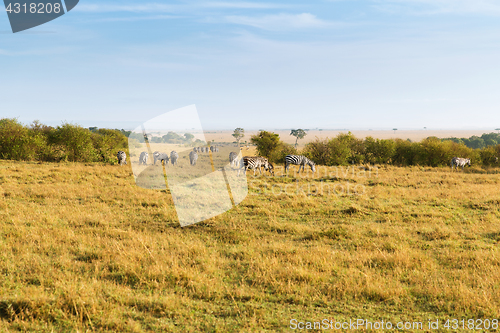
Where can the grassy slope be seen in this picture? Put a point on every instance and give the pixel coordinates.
(81, 247)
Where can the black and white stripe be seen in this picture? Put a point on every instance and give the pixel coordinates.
(143, 158)
(173, 157)
(459, 162)
(299, 160)
(254, 162)
(122, 157)
(193, 157)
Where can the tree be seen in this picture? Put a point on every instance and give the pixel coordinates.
(189, 137)
(394, 129)
(238, 134)
(266, 142)
(299, 134)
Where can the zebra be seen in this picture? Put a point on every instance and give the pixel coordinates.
(122, 157)
(193, 157)
(160, 157)
(143, 158)
(173, 157)
(459, 162)
(155, 156)
(233, 158)
(254, 162)
(299, 160)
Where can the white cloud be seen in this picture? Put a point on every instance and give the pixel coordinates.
(143, 8)
(487, 7)
(281, 21)
(162, 8)
(243, 5)
(137, 18)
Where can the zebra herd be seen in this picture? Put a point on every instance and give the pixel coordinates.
(163, 157)
(213, 149)
(248, 162)
(257, 162)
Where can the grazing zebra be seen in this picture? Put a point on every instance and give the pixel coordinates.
(173, 157)
(155, 156)
(233, 158)
(459, 162)
(122, 157)
(299, 160)
(143, 158)
(160, 157)
(254, 162)
(193, 157)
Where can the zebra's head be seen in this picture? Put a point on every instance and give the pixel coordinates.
(467, 161)
(269, 167)
(313, 166)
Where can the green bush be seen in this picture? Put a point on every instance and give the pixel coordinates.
(269, 145)
(405, 152)
(266, 142)
(341, 150)
(66, 142)
(489, 156)
(318, 151)
(77, 142)
(379, 151)
(283, 149)
(17, 142)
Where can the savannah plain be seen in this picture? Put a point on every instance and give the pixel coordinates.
(83, 249)
(413, 135)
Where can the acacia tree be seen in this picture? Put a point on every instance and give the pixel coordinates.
(238, 134)
(299, 134)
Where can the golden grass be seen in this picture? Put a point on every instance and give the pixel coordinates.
(84, 249)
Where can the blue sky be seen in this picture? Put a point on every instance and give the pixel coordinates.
(258, 64)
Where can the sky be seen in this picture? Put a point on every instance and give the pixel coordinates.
(337, 64)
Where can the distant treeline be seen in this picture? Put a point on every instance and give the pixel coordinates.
(346, 149)
(478, 142)
(170, 137)
(38, 142)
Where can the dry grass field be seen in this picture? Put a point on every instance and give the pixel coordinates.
(83, 249)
